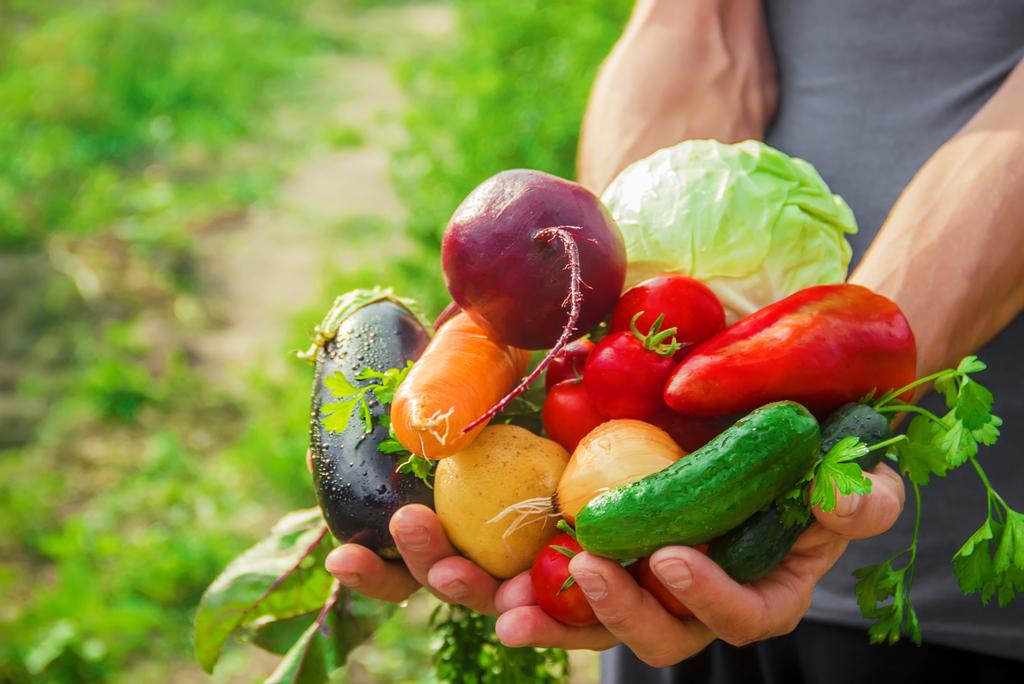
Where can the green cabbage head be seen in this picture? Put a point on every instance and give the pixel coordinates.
(751, 222)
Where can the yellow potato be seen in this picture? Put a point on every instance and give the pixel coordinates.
(504, 465)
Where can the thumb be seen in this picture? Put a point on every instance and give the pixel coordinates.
(859, 516)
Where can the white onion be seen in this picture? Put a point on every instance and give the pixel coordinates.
(613, 454)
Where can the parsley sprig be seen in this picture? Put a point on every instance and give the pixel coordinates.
(836, 472)
(990, 561)
(336, 414)
(351, 399)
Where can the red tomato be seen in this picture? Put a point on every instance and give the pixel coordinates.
(690, 432)
(689, 306)
(568, 363)
(568, 414)
(548, 574)
(626, 373)
(645, 577)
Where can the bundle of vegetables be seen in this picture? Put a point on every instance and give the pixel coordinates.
(663, 425)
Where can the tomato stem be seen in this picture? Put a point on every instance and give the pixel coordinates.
(655, 338)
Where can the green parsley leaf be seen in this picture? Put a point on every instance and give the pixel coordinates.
(918, 456)
(336, 414)
(988, 434)
(388, 381)
(972, 564)
(971, 364)
(956, 442)
(877, 584)
(974, 405)
(421, 467)
(838, 472)
(794, 507)
(1010, 550)
(391, 446)
(948, 388)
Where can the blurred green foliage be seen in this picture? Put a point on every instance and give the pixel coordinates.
(130, 474)
(509, 92)
(118, 110)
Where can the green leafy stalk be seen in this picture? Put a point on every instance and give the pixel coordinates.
(471, 652)
(992, 559)
(836, 472)
(877, 584)
(336, 414)
(351, 399)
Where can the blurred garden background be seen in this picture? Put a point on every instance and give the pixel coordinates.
(184, 187)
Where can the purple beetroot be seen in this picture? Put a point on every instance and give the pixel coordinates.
(534, 259)
(511, 276)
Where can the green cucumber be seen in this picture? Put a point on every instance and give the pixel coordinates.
(859, 420)
(706, 494)
(753, 549)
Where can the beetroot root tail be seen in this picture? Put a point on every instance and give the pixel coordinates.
(573, 300)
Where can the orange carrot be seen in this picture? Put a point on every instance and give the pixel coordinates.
(462, 373)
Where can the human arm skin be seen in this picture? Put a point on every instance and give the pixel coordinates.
(951, 252)
(681, 70)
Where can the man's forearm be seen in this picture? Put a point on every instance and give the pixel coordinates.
(680, 70)
(951, 252)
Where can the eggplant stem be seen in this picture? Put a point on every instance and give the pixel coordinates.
(573, 300)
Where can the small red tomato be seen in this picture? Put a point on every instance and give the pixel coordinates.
(626, 373)
(568, 363)
(549, 572)
(690, 432)
(568, 414)
(689, 306)
(645, 577)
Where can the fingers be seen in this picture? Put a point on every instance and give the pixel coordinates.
(634, 616)
(435, 564)
(514, 593)
(420, 539)
(531, 626)
(861, 516)
(362, 570)
(458, 580)
(737, 614)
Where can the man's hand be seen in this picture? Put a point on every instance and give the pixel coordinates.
(723, 609)
(680, 70)
(430, 561)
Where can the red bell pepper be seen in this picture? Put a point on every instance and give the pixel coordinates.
(823, 347)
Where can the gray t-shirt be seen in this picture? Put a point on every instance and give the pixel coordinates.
(869, 90)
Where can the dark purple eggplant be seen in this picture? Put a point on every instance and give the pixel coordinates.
(357, 486)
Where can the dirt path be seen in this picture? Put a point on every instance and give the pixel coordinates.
(273, 261)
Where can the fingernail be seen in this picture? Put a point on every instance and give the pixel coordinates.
(847, 505)
(414, 537)
(349, 579)
(674, 573)
(455, 590)
(592, 584)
